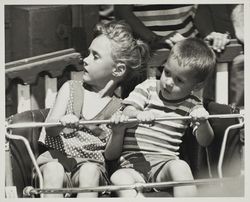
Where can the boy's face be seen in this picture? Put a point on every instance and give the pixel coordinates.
(176, 82)
(98, 65)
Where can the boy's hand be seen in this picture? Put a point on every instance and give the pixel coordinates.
(145, 116)
(70, 121)
(199, 114)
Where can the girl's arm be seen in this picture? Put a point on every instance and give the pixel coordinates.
(58, 110)
(115, 143)
(114, 146)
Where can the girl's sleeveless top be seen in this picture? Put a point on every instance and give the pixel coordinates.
(86, 141)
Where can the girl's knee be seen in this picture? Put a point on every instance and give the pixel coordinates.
(53, 174)
(89, 169)
(53, 168)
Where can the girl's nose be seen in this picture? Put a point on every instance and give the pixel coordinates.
(82, 61)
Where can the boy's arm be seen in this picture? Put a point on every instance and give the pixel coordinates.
(204, 133)
(202, 128)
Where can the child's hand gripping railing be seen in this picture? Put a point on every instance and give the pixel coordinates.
(133, 120)
(28, 191)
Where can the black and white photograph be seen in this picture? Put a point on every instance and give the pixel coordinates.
(126, 99)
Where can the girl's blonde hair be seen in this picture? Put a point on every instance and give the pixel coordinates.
(132, 52)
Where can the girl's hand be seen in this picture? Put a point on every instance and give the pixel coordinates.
(145, 116)
(69, 121)
(199, 114)
(219, 40)
(119, 122)
(118, 118)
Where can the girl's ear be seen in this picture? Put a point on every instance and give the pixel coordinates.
(119, 69)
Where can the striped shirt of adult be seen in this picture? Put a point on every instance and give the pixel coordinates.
(166, 18)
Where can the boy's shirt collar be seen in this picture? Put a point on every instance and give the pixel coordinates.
(173, 101)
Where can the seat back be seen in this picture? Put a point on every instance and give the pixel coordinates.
(20, 159)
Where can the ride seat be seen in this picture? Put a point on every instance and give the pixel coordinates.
(190, 151)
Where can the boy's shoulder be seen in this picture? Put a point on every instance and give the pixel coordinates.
(148, 83)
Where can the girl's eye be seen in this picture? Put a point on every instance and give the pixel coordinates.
(96, 56)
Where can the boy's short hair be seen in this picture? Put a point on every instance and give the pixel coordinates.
(195, 54)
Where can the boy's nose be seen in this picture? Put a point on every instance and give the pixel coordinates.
(169, 83)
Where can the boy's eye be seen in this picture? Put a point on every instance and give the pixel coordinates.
(179, 80)
(167, 73)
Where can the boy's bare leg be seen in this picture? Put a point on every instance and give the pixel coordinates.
(176, 170)
(127, 176)
(53, 175)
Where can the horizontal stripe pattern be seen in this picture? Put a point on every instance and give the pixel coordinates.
(164, 19)
(163, 137)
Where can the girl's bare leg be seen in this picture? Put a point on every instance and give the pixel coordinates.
(53, 176)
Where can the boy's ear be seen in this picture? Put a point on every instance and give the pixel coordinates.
(198, 86)
(119, 69)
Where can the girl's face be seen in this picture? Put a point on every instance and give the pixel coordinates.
(98, 65)
(176, 82)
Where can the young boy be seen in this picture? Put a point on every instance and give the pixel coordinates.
(149, 153)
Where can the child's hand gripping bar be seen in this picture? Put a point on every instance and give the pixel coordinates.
(133, 120)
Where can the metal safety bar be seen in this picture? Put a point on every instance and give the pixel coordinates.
(30, 152)
(134, 120)
(223, 146)
(28, 191)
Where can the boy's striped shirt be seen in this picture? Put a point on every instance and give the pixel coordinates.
(163, 137)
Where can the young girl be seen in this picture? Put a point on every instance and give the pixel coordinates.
(75, 153)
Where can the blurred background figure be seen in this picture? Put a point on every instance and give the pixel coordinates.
(106, 12)
(218, 23)
(159, 25)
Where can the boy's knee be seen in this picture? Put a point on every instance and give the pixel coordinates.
(122, 176)
(179, 164)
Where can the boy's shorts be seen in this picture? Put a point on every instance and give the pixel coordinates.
(148, 165)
